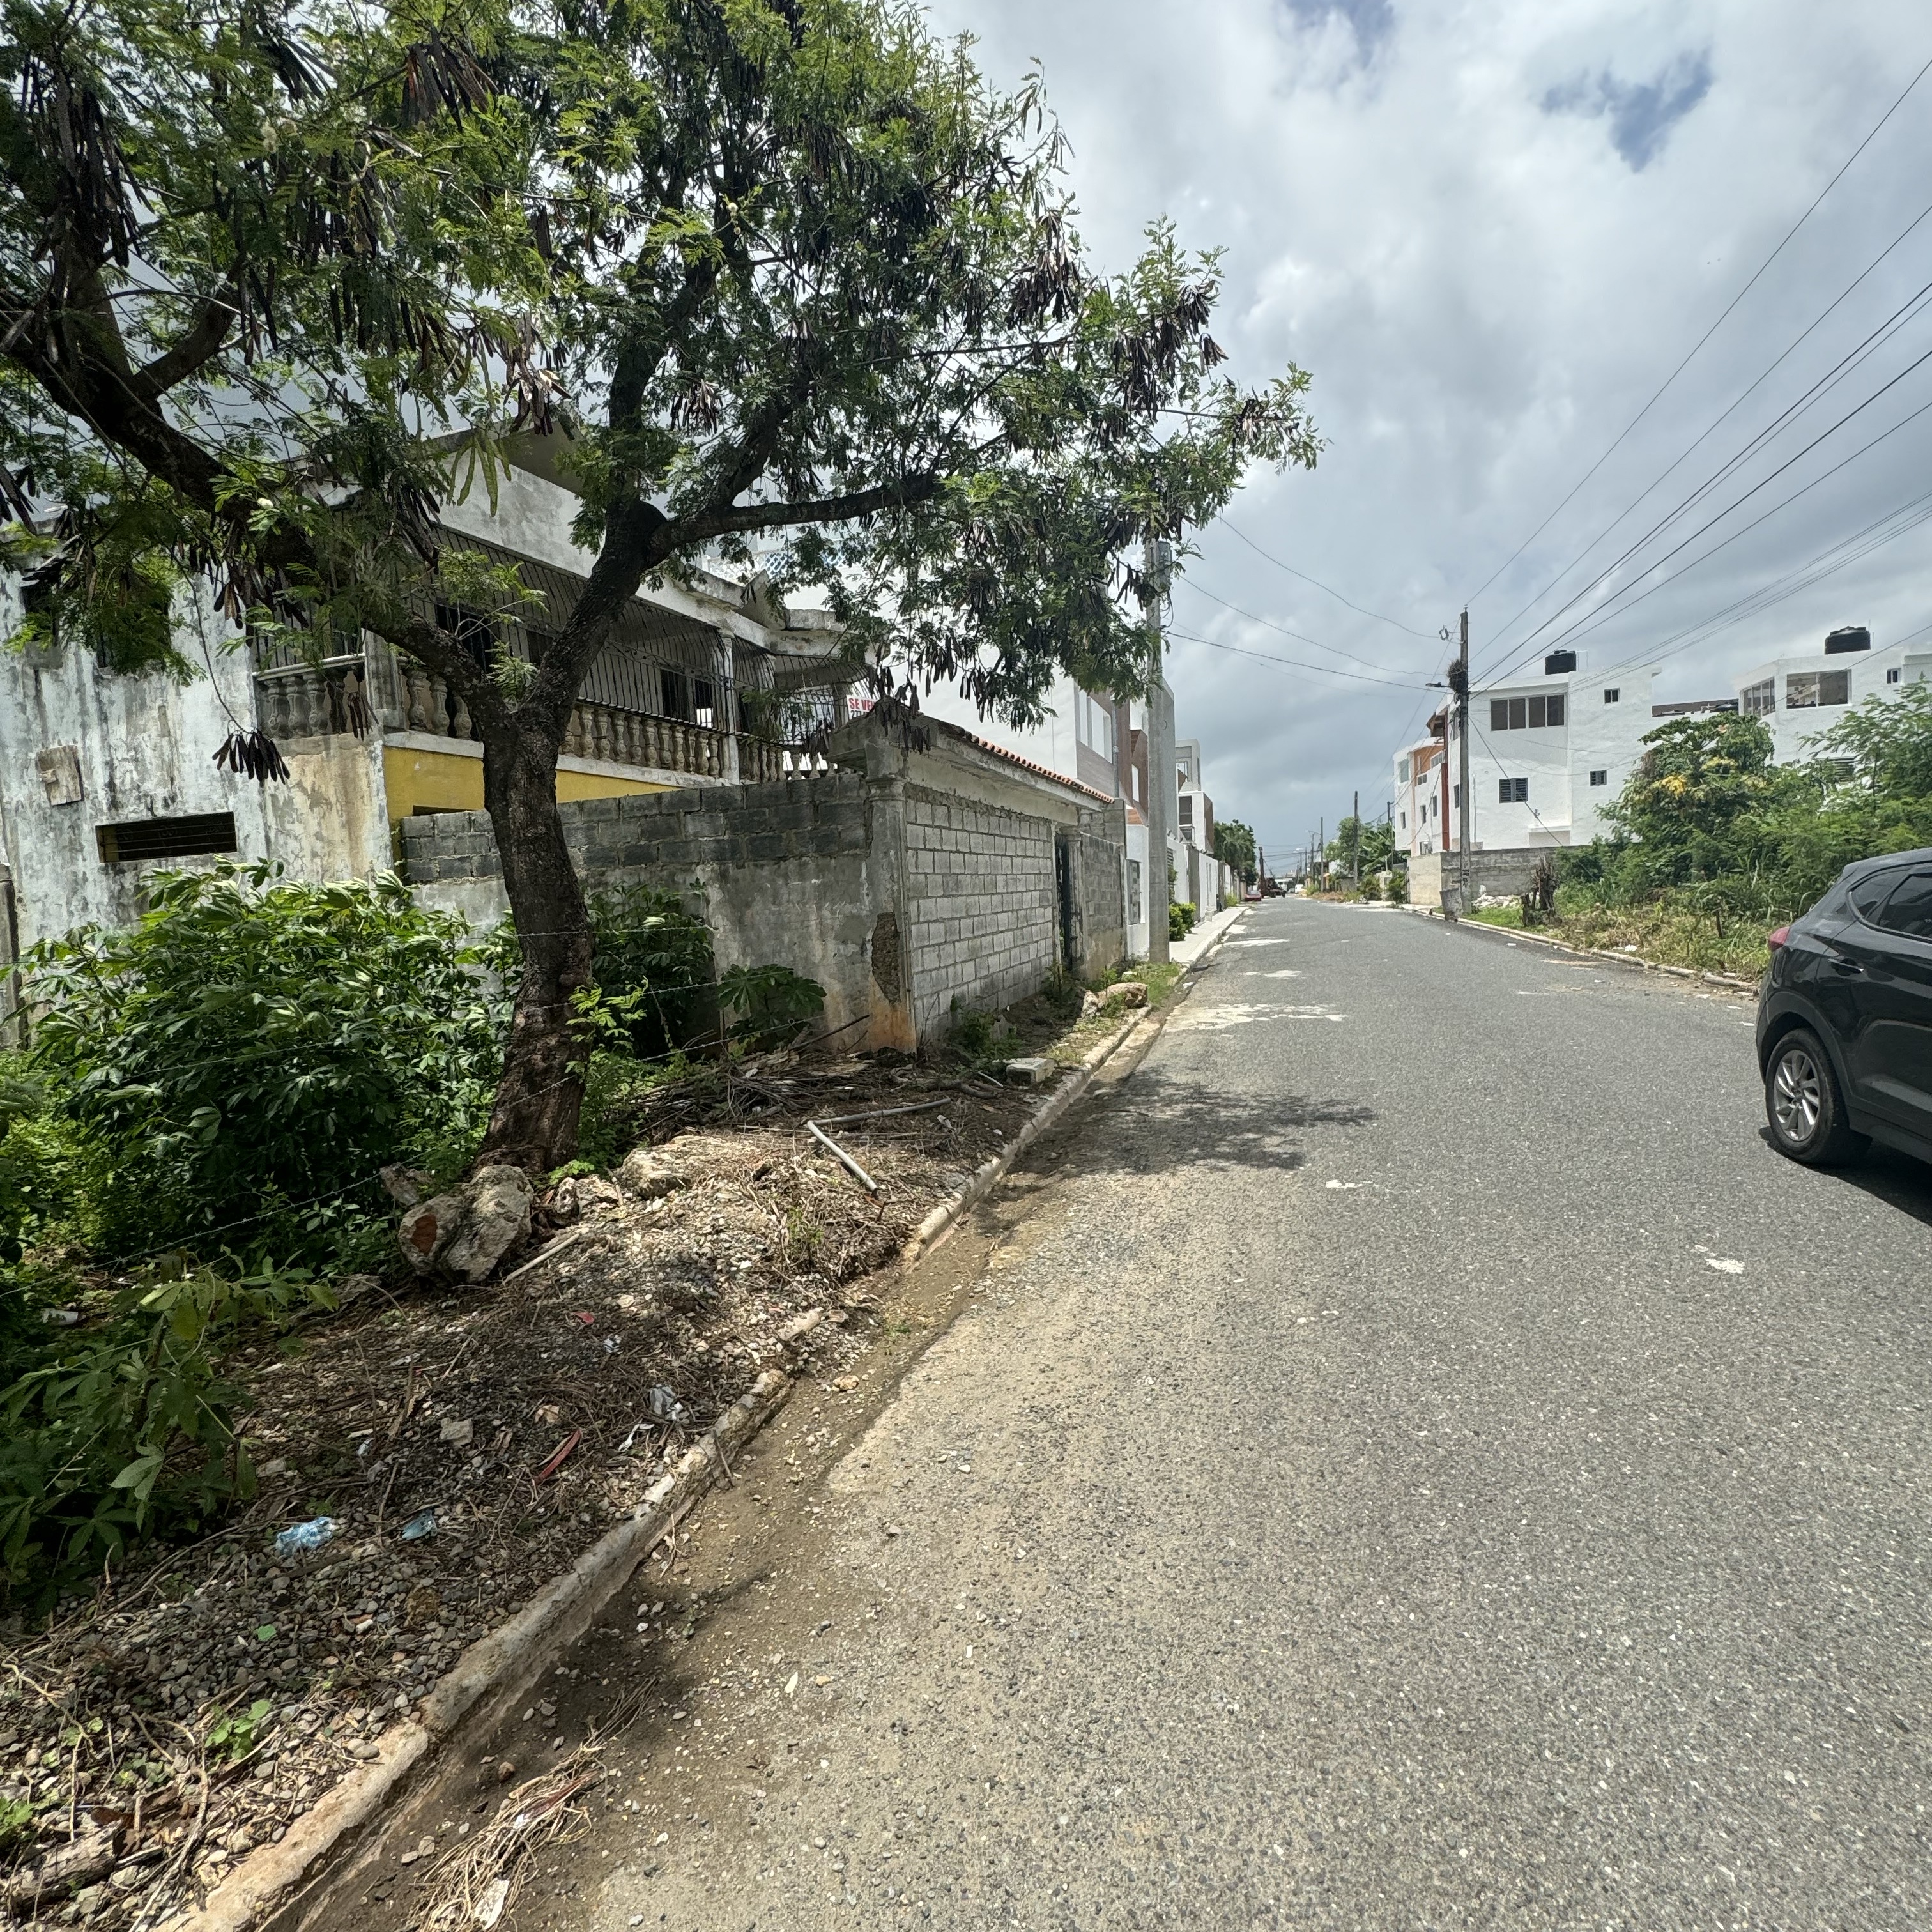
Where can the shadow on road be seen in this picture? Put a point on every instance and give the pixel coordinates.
(1896, 1179)
(1156, 1124)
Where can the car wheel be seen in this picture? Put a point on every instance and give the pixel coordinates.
(1804, 1107)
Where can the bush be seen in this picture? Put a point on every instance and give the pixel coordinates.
(133, 1431)
(240, 1063)
(769, 1005)
(1395, 887)
(1179, 919)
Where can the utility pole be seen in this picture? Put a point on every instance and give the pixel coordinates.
(1355, 853)
(1458, 680)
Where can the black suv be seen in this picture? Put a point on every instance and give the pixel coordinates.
(1844, 1016)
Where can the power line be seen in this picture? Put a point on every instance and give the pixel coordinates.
(1329, 588)
(1604, 612)
(1738, 402)
(1821, 387)
(1790, 234)
(1861, 544)
(1294, 664)
(1268, 624)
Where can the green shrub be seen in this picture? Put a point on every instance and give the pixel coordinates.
(132, 1431)
(654, 984)
(1179, 919)
(242, 1062)
(769, 1005)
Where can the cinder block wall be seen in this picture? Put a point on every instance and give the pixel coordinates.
(1502, 873)
(1101, 881)
(980, 892)
(896, 898)
(784, 873)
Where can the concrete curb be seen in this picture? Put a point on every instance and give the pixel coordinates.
(1636, 959)
(501, 1665)
(989, 1173)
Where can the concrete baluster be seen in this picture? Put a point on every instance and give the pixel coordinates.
(439, 706)
(420, 697)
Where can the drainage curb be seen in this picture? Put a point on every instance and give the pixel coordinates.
(503, 1664)
(1729, 980)
(989, 1173)
(499, 1666)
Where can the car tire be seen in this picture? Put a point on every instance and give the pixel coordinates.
(1804, 1107)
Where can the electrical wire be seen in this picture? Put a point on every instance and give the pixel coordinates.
(1604, 612)
(1790, 234)
(1821, 387)
(1362, 609)
(1294, 664)
(1268, 624)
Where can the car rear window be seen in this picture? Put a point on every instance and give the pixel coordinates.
(1909, 908)
(1868, 895)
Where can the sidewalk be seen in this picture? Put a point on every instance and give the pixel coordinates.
(1185, 951)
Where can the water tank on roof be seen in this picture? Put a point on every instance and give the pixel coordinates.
(1558, 661)
(1848, 637)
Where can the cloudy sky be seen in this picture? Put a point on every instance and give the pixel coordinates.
(1490, 232)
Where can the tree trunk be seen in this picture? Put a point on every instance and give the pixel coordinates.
(534, 1123)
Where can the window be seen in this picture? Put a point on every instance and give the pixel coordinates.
(1869, 894)
(1760, 700)
(676, 692)
(1526, 714)
(1805, 689)
(1456, 797)
(1401, 771)
(1512, 791)
(1404, 816)
(1134, 912)
(187, 837)
(1093, 725)
(1908, 910)
(1599, 778)
(1186, 809)
(1612, 695)
(1892, 676)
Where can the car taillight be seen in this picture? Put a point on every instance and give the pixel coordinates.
(1777, 939)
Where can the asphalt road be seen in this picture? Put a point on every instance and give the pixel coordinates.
(1413, 1457)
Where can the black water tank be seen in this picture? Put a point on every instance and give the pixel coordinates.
(1558, 661)
(1848, 637)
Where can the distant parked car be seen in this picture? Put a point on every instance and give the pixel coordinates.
(1844, 1017)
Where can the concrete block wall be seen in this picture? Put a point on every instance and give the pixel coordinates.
(1100, 881)
(981, 923)
(784, 873)
(1504, 873)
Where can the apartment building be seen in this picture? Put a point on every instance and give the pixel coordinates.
(1801, 696)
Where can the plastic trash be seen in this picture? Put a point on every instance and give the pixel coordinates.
(301, 1537)
(664, 1405)
(422, 1524)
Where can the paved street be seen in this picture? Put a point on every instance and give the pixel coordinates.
(1413, 1457)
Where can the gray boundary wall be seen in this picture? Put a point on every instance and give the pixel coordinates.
(899, 898)
(1501, 873)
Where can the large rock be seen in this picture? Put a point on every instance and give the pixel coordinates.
(646, 1174)
(465, 1233)
(1123, 994)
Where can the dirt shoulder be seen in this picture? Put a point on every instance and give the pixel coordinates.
(466, 1447)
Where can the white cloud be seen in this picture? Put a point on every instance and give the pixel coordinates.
(1490, 233)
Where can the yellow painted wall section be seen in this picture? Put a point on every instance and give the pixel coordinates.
(445, 781)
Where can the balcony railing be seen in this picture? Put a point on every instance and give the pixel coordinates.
(347, 693)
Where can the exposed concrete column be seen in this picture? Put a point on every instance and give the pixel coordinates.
(889, 944)
(724, 714)
(1163, 810)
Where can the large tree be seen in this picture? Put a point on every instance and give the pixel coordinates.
(276, 280)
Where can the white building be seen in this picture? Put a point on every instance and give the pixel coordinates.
(1547, 753)
(1804, 695)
